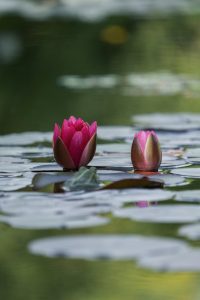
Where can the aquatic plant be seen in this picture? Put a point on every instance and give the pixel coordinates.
(74, 144)
(145, 152)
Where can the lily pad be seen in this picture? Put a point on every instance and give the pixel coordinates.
(26, 152)
(113, 133)
(8, 184)
(114, 148)
(44, 167)
(118, 197)
(43, 179)
(137, 183)
(52, 221)
(186, 261)
(191, 232)
(25, 138)
(109, 161)
(188, 196)
(120, 247)
(160, 254)
(161, 214)
(187, 172)
(169, 122)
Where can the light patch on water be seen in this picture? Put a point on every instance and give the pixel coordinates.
(137, 84)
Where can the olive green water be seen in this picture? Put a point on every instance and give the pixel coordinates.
(32, 99)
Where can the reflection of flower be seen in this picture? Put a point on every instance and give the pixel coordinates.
(145, 153)
(143, 204)
(74, 144)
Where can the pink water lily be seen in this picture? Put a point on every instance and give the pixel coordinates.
(74, 144)
(145, 153)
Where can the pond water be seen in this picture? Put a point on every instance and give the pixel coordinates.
(129, 65)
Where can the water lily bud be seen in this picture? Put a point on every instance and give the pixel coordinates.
(145, 153)
(74, 144)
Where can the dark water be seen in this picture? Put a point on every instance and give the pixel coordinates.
(108, 69)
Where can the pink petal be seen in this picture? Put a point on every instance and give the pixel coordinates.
(93, 128)
(88, 152)
(137, 156)
(142, 138)
(76, 147)
(62, 155)
(142, 204)
(67, 133)
(86, 136)
(56, 133)
(71, 121)
(79, 124)
(154, 134)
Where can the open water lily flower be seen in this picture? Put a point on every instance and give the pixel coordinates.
(74, 144)
(145, 153)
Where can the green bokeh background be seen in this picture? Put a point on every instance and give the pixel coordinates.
(32, 99)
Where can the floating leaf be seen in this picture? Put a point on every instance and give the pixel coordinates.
(161, 214)
(161, 254)
(134, 183)
(41, 180)
(191, 232)
(187, 172)
(84, 179)
(188, 196)
(52, 221)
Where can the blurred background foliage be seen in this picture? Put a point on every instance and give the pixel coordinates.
(34, 54)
